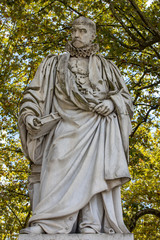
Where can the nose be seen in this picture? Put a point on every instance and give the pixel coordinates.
(77, 34)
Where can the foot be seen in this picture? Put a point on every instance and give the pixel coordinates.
(32, 230)
(88, 230)
(109, 230)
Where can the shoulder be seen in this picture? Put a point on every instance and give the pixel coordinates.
(63, 55)
(105, 60)
(50, 57)
(63, 59)
(108, 63)
(47, 61)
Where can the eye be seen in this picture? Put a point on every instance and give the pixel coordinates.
(83, 30)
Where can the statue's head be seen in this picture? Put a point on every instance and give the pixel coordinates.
(83, 32)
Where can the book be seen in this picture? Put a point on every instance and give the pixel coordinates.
(45, 124)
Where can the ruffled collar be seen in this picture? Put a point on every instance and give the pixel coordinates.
(82, 52)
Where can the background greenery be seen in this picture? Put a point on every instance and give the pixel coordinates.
(128, 34)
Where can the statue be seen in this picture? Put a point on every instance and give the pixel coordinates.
(74, 125)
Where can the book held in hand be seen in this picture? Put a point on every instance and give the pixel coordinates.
(45, 124)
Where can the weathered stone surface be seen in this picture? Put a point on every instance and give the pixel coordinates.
(75, 122)
(117, 236)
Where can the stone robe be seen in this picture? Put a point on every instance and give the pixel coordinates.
(86, 154)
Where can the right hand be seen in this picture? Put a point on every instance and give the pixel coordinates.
(104, 108)
(32, 124)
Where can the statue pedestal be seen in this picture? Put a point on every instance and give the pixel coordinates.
(117, 236)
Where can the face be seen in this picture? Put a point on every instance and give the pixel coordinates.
(82, 35)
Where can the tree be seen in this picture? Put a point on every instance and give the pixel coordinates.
(128, 34)
(141, 195)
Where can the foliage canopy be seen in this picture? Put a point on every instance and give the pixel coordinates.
(128, 34)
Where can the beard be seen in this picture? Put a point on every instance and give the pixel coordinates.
(78, 43)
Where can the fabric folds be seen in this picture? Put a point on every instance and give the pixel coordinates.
(86, 154)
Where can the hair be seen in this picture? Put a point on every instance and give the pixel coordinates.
(85, 21)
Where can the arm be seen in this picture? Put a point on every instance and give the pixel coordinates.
(36, 103)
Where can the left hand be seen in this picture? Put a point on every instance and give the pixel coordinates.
(33, 124)
(104, 108)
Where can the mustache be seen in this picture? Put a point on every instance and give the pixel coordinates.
(74, 40)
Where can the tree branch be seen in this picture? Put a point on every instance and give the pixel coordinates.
(42, 9)
(72, 9)
(125, 45)
(139, 214)
(144, 18)
(123, 13)
(142, 44)
(144, 119)
(18, 171)
(14, 214)
(156, 52)
(148, 86)
(27, 218)
(146, 28)
(122, 23)
(147, 66)
(140, 80)
(137, 96)
(12, 150)
(5, 191)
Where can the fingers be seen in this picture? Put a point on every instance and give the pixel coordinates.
(33, 125)
(36, 121)
(91, 106)
(32, 130)
(98, 107)
(101, 109)
(106, 113)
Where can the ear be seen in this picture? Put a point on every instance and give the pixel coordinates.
(93, 36)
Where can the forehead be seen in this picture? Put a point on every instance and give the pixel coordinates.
(80, 27)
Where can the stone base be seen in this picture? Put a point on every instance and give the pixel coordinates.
(103, 236)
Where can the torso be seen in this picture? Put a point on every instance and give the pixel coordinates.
(79, 66)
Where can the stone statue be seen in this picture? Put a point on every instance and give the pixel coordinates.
(74, 125)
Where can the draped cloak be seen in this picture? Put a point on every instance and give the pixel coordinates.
(86, 153)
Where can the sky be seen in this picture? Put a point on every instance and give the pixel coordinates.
(149, 2)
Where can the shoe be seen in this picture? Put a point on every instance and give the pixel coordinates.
(88, 230)
(109, 230)
(32, 230)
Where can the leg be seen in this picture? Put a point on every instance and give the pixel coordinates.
(61, 225)
(113, 211)
(91, 216)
